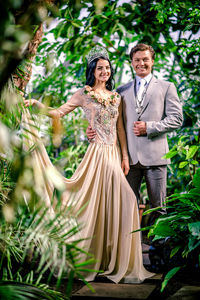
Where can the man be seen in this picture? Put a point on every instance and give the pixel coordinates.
(151, 108)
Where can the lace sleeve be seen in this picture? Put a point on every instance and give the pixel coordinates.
(121, 134)
(75, 101)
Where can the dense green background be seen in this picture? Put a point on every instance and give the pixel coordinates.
(171, 28)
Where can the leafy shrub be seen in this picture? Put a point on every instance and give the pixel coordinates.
(181, 226)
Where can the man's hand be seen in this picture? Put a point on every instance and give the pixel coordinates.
(90, 133)
(125, 166)
(139, 128)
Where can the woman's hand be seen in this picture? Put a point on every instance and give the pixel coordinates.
(125, 166)
(33, 102)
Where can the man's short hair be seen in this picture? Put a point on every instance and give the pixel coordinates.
(142, 47)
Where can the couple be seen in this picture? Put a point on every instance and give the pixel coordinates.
(151, 108)
(105, 201)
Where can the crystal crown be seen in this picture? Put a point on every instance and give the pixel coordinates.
(96, 52)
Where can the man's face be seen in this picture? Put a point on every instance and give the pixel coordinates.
(142, 63)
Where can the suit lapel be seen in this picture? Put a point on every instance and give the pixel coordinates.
(149, 92)
(131, 94)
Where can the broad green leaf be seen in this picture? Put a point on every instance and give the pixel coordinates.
(169, 275)
(142, 229)
(162, 230)
(184, 137)
(70, 31)
(151, 210)
(170, 154)
(122, 28)
(85, 263)
(76, 23)
(186, 200)
(174, 251)
(157, 237)
(183, 164)
(192, 150)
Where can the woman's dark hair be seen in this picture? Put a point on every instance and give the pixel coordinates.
(90, 79)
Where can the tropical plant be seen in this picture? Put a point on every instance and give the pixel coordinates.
(39, 246)
(31, 232)
(185, 155)
(182, 227)
(17, 290)
(6, 185)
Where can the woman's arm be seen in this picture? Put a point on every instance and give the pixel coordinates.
(49, 111)
(123, 144)
(70, 105)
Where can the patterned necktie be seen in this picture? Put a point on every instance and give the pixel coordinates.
(140, 93)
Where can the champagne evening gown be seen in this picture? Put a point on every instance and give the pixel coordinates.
(110, 211)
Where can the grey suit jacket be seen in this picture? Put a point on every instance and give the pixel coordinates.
(162, 112)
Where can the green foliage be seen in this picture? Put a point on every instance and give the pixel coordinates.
(169, 275)
(163, 24)
(21, 291)
(185, 155)
(70, 158)
(184, 208)
(6, 185)
(14, 35)
(37, 243)
(38, 246)
(181, 226)
(117, 27)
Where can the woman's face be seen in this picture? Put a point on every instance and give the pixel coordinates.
(102, 71)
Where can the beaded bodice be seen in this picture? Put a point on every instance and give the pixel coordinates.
(102, 118)
(101, 113)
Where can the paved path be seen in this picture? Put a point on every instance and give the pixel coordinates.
(105, 290)
(148, 290)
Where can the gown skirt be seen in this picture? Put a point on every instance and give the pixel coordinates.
(107, 210)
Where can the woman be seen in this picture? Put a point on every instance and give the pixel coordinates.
(106, 204)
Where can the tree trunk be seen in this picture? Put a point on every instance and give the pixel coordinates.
(26, 18)
(21, 78)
